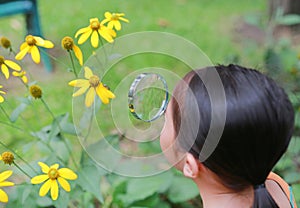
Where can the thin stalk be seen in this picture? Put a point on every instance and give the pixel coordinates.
(55, 59)
(6, 115)
(15, 153)
(60, 129)
(22, 170)
(73, 65)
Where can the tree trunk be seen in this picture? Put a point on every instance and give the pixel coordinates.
(288, 6)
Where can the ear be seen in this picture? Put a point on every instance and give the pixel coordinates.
(191, 166)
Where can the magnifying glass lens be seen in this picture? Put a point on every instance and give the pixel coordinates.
(148, 96)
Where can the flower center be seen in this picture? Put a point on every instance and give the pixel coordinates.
(67, 43)
(5, 42)
(35, 91)
(95, 25)
(53, 174)
(30, 40)
(7, 157)
(94, 81)
(114, 16)
(1, 60)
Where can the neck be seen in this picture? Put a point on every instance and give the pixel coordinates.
(215, 195)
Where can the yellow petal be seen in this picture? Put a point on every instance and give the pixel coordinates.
(55, 166)
(54, 189)
(90, 97)
(22, 53)
(6, 183)
(3, 196)
(124, 19)
(117, 25)
(107, 15)
(78, 54)
(88, 72)
(82, 30)
(39, 179)
(39, 41)
(85, 36)
(100, 93)
(105, 34)
(35, 54)
(4, 175)
(0, 155)
(23, 45)
(80, 91)
(45, 188)
(45, 168)
(67, 174)
(12, 65)
(64, 184)
(48, 44)
(5, 71)
(95, 39)
(1, 99)
(24, 79)
(79, 83)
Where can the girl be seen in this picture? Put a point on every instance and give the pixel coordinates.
(256, 132)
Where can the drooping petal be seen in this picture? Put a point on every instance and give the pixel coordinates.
(95, 39)
(48, 44)
(88, 72)
(45, 188)
(90, 97)
(39, 41)
(5, 70)
(1, 99)
(82, 30)
(6, 183)
(78, 54)
(13, 65)
(55, 166)
(117, 25)
(0, 155)
(79, 83)
(64, 184)
(105, 34)
(100, 93)
(85, 36)
(2, 92)
(45, 168)
(80, 91)
(107, 15)
(3, 196)
(22, 53)
(4, 175)
(23, 45)
(123, 19)
(54, 189)
(39, 179)
(67, 174)
(24, 79)
(35, 54)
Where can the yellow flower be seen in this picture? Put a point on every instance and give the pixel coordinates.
(30, 46)
(52, 176)
(22, 76)
(94, 30)
(35, 91)
(7, 63)
(94, 86)
(5, 43)
(7, 157)
(3, 183)
(113, 20)
(68, 44)
(1, 92)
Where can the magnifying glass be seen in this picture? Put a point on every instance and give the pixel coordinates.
(148, 97)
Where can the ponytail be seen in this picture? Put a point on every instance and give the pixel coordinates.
(262, 198)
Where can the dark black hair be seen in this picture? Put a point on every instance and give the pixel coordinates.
(258, 126)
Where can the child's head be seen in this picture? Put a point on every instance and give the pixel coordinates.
(258, 127)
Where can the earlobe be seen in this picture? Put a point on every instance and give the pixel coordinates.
(190, 167)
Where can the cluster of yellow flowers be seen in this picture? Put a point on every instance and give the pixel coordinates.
(53, 176)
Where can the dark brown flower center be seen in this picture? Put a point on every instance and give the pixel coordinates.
(30, 40)
(1, 60)
(95, 25)
(94, 81)
(53, 174)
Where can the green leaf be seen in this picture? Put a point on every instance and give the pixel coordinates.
(89, 179)
(182, 189)
(16, 113)
(290, 19)
(140, 188)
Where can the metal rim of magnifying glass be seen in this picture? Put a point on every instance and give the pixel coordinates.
(132, 89)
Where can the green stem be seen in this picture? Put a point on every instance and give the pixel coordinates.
(105, 54)
(73, 65)
(6, 115)
(55, 59)
(22, 170)
(60, 129)
(15, 153)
